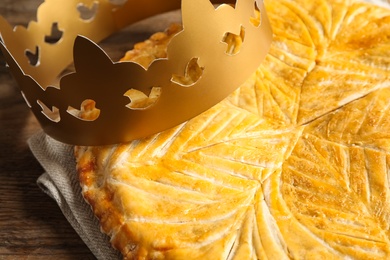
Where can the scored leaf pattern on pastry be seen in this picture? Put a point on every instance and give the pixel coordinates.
(293, 165)
(334, 189)
(324, 55)
(188, 190)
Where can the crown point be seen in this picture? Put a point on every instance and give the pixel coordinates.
(204, 7)
(87, 54)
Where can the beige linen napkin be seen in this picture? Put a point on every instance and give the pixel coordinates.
(60, 181)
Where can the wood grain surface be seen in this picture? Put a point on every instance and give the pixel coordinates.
(31, 224)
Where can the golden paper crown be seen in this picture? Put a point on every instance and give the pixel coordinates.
(201, 45)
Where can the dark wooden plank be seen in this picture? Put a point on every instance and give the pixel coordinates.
(19, 11)
(31, 224)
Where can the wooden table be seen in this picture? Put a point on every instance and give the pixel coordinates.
(32, 226)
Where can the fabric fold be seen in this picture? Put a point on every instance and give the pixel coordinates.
(60, 182)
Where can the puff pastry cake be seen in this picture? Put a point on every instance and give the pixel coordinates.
(293, 165)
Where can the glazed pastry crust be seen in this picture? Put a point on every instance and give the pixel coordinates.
(181, 192)
(293, 165)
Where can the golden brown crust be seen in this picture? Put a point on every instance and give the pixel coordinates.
(153, 48)
(294, 164)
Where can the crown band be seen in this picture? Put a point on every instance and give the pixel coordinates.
(105, 82)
